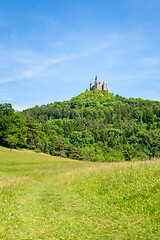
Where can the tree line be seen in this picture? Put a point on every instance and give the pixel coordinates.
(93, 126)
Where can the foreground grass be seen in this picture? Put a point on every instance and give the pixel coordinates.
(44, 197)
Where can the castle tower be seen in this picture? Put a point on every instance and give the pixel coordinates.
(99, 86)
(91, 86)
(104, 87)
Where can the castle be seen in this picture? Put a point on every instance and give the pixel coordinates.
(98, 85)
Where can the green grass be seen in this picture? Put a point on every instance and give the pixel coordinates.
(44, 197)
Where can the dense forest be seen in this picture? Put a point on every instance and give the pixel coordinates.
(94, 126)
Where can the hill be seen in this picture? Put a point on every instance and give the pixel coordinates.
(98, 126)
(94, 126)
(45, 197)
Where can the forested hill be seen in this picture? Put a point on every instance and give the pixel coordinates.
(96, 126)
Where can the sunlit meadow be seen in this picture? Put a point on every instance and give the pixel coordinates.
(45, 197)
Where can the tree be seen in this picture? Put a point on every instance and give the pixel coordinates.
(11, 141)
(14, 130)
(32, 133)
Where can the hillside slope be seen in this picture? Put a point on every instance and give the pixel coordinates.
(96, 126)
(45, 197)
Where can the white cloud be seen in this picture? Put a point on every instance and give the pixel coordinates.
(21, 107)
(7, 99)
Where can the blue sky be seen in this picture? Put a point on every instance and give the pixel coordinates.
(51, 49)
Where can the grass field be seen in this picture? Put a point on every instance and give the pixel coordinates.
(45, 197)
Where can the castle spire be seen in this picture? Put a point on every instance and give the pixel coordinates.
(96, 80)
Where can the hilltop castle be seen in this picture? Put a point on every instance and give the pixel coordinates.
(98, 85)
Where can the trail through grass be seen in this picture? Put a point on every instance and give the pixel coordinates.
(44, 197)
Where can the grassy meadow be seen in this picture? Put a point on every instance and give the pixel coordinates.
(45, 197)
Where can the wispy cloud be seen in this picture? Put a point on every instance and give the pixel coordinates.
(17, 65)
(25, 65)
(7, 98)
(117, 55)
